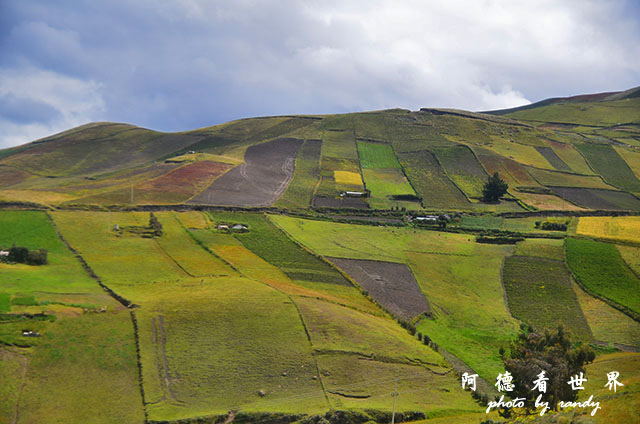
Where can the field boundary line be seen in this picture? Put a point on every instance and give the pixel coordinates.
(136, 333)
(625, 310)
(124, 302)
(23, 383)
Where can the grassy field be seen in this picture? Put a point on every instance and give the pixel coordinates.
(541, 248)
(572, 157)
(539, 293)
(385, 183)
(62, 281)
(606, 323)
(590, 113)
(210, 348)
(623, 228)
(377, 156)
(431, 183)
(631, 157)
(522, 225)
(600, 268)
(606, 161)
(463, 168)
(546, 202)
(93, 358)
(471, 320)
(564, 179)
(305, 177)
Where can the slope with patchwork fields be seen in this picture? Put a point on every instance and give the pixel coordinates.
(302, 269)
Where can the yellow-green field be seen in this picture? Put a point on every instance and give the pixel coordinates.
(623, 228)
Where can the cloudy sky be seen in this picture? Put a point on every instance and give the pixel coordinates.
(183, 64)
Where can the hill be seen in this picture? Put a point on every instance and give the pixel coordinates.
(297, 269)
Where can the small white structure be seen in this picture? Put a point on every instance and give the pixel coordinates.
(222, 227)
(428, 218)
(239, 227)
(29, 333)
(4, 253)
(353, 194)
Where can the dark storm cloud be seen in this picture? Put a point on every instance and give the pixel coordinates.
(176, 65)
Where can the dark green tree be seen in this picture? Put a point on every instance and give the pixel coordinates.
(551, 352)
(494, 188)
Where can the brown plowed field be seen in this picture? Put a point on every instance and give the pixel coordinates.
(260, 181)
(599, 199)
(390, 284)
(340, 202)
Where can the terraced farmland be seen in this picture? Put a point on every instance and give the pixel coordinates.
(623, 228)
(430, 181)
(608, 163)
(539, 293)
(601, 270)
(463, 168)
(599, 199)
(260, 181)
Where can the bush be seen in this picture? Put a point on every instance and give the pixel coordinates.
(22, 255)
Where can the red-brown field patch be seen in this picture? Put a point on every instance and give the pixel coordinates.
(510, 170)
(390, 284)
(189, 179)
(11, 176)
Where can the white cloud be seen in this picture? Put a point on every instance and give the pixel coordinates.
(72, 101)
(179, 65)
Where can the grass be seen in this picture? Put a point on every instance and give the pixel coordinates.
(463, 168)
(377, 156)
(347, 178)
(305, 177)
(623, 228)
(179, 246)
(421, 390)
(539, 293)
(271, 244)
(600, 268)
(541, 248)
(62, 275)
(93, 357)
(546, 202)
(431, 183)
(472, 320)
(607, 324)
(524, 154)
(569, 155)
(606, 161)
(219, 343)
(631, 157)
(385, 183)
(631, 255)
(590, 113)
(564, 179)
(339, 144)
(116, 259)
(335, 328)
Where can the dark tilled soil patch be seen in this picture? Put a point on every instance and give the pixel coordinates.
(345, 202)
(599, 199)
(553, 158)
(260, 181)
(390, 284)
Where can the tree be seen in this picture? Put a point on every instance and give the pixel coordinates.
(494, 188)
(155, 225)
(532, 353)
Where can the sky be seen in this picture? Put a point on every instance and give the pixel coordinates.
(175, 65)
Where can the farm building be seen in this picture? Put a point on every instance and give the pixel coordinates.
(222, 227)
(4, 253)
(428, 218)
(239, 227)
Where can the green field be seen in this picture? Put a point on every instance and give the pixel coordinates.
(590, 113)
(463, 168)
(606, 161)
(305, 177)
(377, 156)
(386, 183)
(431, 183)
(539, 293)
(565, 179)
(446, 266)
(600, 268)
